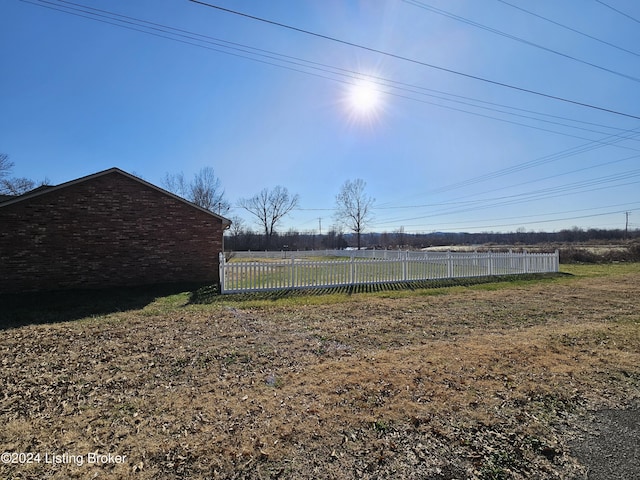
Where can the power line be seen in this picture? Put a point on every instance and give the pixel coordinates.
(544, 216)
(604, 42)
(584, 186)
(525, 166)
(422, 91)
(485, 227)
(540, 194)
(592, 145)
(417, 62)
(185, 34)
(549, 177)
(292, 63)
(404, 220)
(618, 11)
(517, 39)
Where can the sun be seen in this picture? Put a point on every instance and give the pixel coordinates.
(363, 97)
(363, 101)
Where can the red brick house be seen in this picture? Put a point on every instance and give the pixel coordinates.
(106, 229)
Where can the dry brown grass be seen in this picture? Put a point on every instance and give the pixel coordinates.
(476, 382)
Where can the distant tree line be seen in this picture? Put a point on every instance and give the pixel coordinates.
(247, 239)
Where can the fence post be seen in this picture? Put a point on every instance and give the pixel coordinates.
(293, 272)
(405, 266)
(221, 261)
(352, 271)
(449, 264)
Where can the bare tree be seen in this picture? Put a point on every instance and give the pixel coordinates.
(205, 190)
(270, 207)
(401, 237)
(237, 226)
(14, 185)
(353, 207)
(5, 165)
(175, 183)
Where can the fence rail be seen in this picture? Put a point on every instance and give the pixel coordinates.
(343, 268)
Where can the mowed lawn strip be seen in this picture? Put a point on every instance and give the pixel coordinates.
(481, 382)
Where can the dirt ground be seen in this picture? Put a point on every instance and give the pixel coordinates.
(609, 443)
(532, 379)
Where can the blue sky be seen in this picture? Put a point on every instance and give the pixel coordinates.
(265, 105)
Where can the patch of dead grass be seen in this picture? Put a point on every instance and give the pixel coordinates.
(474, 383)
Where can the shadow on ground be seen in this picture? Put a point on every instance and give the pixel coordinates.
(67, 305)
(609, 445)
(211, 294)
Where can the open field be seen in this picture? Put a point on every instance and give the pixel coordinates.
(570, 252)
(489, 381)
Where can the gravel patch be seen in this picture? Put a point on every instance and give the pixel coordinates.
(609, 444)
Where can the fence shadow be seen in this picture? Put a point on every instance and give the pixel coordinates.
(67, 305)
(208, 295)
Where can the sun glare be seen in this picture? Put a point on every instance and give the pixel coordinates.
(364, 97)
(363, 101)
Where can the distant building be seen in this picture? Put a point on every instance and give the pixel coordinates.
(106, 229)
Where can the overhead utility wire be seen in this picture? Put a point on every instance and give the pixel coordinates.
(618, 11)
(438, 11)
(381, 81)
(143, 31)
(536, 194)
(560, 190)
(548, 193)
(459, 200)
(52, 5)
(549, 177)
(547, 214)
(507, 200)
(569, 28)
(170, 38)
(484, 227)
(191, 37)
(502, 119)
(417, 62)
(543, 215)
(591, 145)
(536, 162)
(188, 38)
(354, 74)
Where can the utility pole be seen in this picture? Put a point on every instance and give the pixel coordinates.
(626, 225)
(320, 225)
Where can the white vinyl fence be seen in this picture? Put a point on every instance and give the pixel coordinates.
(335, 268)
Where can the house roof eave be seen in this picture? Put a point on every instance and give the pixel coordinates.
(38, 192)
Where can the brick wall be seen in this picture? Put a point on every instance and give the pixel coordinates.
(108, 230)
